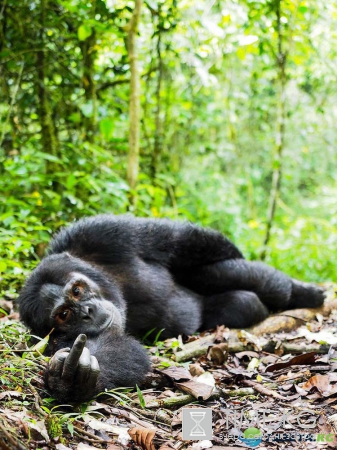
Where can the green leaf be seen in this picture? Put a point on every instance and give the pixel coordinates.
(48, 157)
(303, 9)
(87, 109)
(141, 398)
(41, 346)
(3, 266)
(106, 126)
(83, 32)
(70, 427)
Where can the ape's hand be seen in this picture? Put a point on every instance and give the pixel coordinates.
(72, 374)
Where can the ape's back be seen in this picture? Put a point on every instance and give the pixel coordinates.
(109, 239)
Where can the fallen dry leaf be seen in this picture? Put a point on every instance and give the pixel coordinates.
(200, 391)
(320, 382)
(196, 369)
(248, 353)
(10, 394)
(221, 334)
(114, 447)
(248, 338)
(143, 437)
(300, 360)
(176, 373)
(328, 336)
(217, 354)
(61, 447)
(83, 446)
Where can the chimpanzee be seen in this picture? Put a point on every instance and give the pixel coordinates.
(107, 278)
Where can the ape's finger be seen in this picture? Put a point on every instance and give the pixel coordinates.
(94, 373)
(65, 349)
(71, 363)
(56, 363)
(83, 367)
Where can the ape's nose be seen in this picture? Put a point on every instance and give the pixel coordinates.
(87, 312)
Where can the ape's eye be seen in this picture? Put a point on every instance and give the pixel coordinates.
(76, 291)
(64, 314)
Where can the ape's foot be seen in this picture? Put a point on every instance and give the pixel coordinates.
(72, 373)
(306, 295)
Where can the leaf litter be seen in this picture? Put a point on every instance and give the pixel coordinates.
(284, 384)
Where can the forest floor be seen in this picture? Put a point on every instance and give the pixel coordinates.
(267, 390)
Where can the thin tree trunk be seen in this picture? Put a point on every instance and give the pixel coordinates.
(9, 117)
(48, 133)
(280, 132)
(134, 106)
(89, 56)
(157, 135)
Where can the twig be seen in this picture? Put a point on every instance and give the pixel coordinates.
(37, 401)
(93, 437)
(263, 390)
(160, 416)
(16, 444)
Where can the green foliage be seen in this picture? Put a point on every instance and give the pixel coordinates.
(34, 202)
(209, 108)
(83, 32)
(54, 427)
(141, 398)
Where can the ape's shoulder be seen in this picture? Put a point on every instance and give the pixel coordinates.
(91, 234)
(109, 239)
(107, 231)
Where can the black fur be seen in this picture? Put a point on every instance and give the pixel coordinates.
(155, 274)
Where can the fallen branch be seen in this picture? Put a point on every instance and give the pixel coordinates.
(286, 321)
(243, 392)
(180, 400)
(172, 402)
(263, 390)
(195, 348)
(292, 319)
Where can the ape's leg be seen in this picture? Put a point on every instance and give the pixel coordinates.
(274, 288)
(235, 309)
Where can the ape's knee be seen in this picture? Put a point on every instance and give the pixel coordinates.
(235, 309)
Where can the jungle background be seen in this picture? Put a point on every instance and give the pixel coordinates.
(219, 112)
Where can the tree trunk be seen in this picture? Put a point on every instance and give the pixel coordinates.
(280, 132)
(89, 56)
(157, 135)
(134, 106)
(48, 133)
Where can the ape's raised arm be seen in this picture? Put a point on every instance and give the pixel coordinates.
(82, 370)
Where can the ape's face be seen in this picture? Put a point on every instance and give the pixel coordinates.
(72, 297)
(79, 307)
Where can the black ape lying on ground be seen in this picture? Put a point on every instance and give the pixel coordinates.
(109, 277)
